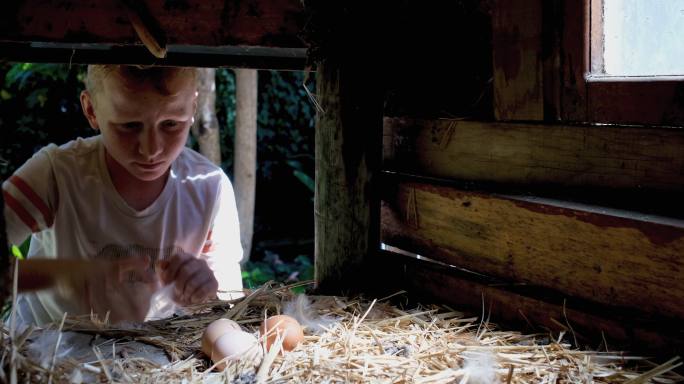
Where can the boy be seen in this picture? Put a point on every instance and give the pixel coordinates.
(117, 216)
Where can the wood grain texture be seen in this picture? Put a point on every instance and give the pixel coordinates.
(435, 283)
(348, 155)
(581, 156)
(273, 23)
(590, 255)
(574, 59)
(517, 44)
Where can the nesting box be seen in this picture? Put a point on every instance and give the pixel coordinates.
(462, 152)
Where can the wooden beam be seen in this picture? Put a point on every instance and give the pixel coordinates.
(266, 23)
(608, 157)
(595, 255)
(517, 45)
(176, 55)
(590, 327)
(348, 154)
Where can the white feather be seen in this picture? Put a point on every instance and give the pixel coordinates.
(300, 308)
(480, 367)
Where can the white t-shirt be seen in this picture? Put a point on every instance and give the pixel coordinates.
(64, 196)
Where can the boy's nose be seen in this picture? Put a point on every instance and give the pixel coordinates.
(150, 144)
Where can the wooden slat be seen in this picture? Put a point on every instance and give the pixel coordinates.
(582, 156)
(591, 255)
(269, 23)
(590, 327)
(516, 35)
(192, 56)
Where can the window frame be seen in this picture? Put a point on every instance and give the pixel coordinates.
(655, 102)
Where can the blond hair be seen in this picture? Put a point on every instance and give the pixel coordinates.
(134, 75)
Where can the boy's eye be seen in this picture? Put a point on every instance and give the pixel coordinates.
(131, 125)
(170, 124)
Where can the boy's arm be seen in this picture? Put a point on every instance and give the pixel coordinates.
(30, 196)
(223, 249)
(36, 274)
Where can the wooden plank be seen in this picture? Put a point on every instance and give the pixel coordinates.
(348, 155)
(516, 41)
(589, 254)
(582, 156)
(268, 23)
(177, 55)
(574, 60)
(591, 327)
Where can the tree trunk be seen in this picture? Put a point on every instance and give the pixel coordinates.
(245, 153)
(206, 127)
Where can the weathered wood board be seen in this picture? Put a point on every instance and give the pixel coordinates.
(589, 328)
(517, 64)
(267, 23)
(563, 155)
(348, 155)
(595, 256)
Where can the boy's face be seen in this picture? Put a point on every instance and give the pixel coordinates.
(142, 130)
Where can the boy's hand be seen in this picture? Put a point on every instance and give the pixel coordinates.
(194, 280)
(123, 287)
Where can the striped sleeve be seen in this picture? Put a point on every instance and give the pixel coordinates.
(30, 198)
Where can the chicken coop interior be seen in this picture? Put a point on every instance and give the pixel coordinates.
(473, 159)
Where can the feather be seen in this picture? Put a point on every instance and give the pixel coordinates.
(300, 308)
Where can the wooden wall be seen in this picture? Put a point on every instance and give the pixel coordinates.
(560, 210)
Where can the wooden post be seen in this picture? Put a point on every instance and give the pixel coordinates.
(206, 128)
(348, 156)
(245, 153)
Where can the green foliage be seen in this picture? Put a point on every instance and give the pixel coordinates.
(225, 112)
(256, 273)
(286, 125)
(40, 105)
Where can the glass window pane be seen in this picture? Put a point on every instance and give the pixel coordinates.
(643, 37)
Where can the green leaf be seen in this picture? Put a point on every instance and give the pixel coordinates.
(17, 253)
(306, 179)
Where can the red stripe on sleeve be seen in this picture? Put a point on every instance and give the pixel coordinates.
(33, 198)
(23, 214)
(208, 244)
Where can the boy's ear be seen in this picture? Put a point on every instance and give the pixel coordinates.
(89, 109)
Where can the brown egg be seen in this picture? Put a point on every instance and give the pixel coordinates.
(215, 330)
(283, 325)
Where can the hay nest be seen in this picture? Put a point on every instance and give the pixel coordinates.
(347, 341)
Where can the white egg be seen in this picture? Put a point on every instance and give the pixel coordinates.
(236, 345)
(215, 330)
